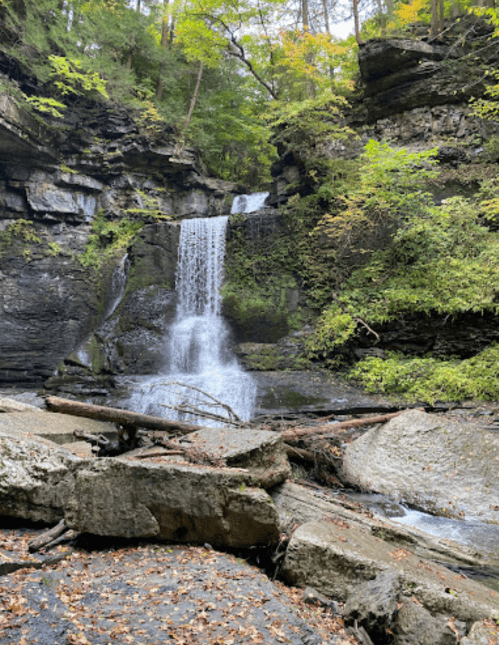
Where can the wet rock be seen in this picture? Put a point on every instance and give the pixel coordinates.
(300, 392)
(374, 606)
(337, 558)
(428, 461)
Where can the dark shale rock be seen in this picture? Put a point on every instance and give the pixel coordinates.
(402, 74)
(373, 606)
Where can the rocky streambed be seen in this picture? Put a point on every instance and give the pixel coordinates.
(385, 582)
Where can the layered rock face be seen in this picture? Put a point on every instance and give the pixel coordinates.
(415, 94)
(72, 188)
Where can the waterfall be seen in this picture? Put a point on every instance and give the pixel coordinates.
(118, 285)
(249, 203)
(199, 358)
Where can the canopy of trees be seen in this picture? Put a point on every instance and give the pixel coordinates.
(220, 71)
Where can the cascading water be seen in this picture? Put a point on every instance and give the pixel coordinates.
(249, 203)
(199, 359)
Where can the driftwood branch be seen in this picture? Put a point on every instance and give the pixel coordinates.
(291, 436)
(115, 415)
(209, 400)
(46, 538)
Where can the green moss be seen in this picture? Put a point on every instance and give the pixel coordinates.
(261, 294)
(108, 238)
(263, 357)
(140, 278)
(431, 379)
(97, 356)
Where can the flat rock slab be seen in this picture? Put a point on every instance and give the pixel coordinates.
(260, 451)
(298, 504)
(237, 446)
(317, 392)
(59, 428)
(335, 557)
(181, 503)
(431, 462)
(157, 594)
(12, 405)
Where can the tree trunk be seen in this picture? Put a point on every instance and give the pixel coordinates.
(164, 45)
(291, 436)
(356, 21)
(115, 415)
(193, 99)
(304, 14)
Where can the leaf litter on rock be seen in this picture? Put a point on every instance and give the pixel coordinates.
(220, 599)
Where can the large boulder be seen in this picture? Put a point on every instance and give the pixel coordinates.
(385, 587)
(176, 502)
(431, 462)
(159, 496)
(36, 477)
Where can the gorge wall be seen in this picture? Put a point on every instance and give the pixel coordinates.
(72, 194)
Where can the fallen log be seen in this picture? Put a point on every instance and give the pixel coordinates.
(291, 436)
(115, 415)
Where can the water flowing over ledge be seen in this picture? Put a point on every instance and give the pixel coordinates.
(249, 203)
(198, 356)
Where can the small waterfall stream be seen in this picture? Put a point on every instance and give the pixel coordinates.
(249, 203)
(199, 358)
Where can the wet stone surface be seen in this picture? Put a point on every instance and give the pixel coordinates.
(318, 392)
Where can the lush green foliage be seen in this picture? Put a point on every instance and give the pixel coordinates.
(107, 238)
(384, 186)
(150, 57)
(442, 261)
(333, 329)
(437, 260)
(430, 379)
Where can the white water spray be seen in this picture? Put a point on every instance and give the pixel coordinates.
(249, 203)
(199, 358)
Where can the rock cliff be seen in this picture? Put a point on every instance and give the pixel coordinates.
(69, 187)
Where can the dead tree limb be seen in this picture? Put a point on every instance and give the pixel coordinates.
(115, 415)
(49, 536)
(208, 400)
(291, 436)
